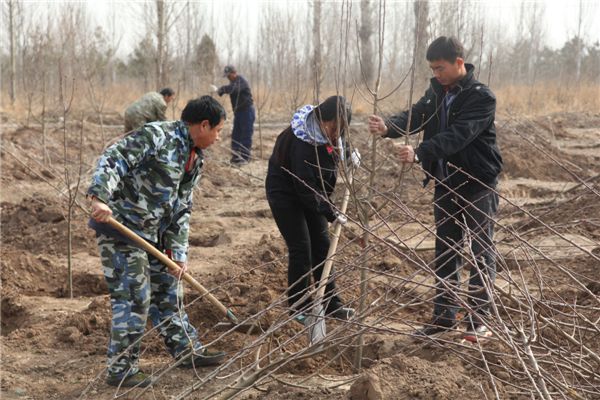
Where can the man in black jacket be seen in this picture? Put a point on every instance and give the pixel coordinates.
(243, 115)
(460, 154)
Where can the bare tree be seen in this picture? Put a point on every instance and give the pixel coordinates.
(261, 92)
(12, 9)
(97, 56)
(189, 32)
(579, 43)
(316, 64)
(38, 49)
(366, 47)
(207, 60)
(161, 43)
(160, 22)
(66, 101)
(421, 10)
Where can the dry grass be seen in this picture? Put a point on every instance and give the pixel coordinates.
(540, 99)
(543, 99)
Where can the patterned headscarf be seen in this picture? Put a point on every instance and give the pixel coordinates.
(306, 128)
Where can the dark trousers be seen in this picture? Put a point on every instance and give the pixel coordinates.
(307, 238)
(458, 217)
(241, 136)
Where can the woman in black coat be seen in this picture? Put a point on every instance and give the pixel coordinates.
(301, 176)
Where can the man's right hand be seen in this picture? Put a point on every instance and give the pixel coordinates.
(377, 125)
(100, 211)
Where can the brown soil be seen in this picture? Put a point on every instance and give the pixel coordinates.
(53, 346)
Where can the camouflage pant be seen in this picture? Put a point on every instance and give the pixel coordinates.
(140, 287)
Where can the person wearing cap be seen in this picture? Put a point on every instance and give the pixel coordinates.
(243, 115)
(149, 108)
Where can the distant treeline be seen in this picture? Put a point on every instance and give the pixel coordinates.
(296, 51)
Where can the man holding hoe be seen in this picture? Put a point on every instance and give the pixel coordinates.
(146, 181)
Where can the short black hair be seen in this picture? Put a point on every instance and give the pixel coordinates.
(203, 108)
(334, 108)
(445, 48)
(166, 92)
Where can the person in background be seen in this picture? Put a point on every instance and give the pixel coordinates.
(149, 108)
(301, 176)
(243, 115)
(146, 181)
(459, 152)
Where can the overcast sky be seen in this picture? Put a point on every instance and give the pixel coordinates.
(560, 19)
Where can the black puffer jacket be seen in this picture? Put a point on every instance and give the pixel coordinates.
(301, 174)
(468, 140)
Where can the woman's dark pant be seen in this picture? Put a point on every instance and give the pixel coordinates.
(307, 238)
(241, 136)
(455, 216)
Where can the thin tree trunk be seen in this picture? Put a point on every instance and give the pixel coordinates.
(579, 44)
(13, 57)
(45, 156)
(160, 43)
(421, 9)
(366, 30)
(363, 209)
(70, 248)
(317, 49)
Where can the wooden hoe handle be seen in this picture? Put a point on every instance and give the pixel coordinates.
(172, 265)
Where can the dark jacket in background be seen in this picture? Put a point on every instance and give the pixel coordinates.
(468, 139)
(239, 93)
(311, 178)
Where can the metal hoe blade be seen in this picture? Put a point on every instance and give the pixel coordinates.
(317, 329)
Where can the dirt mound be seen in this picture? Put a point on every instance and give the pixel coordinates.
(576, 209)
(31, 274)
(537, 148)
(563, 120)
(14, 314)
(237, 252)
(285, 392)
(46, 275)
(41, 227)
(407, 377)
(88, 328)
(522, 159)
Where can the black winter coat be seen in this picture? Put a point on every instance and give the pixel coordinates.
(468, 140)
(311, 178)
(239, 94)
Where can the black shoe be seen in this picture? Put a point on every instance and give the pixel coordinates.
(139, 379)
(477, 332)
(204, 359)
(238, 163)
(336, 309)
(437, 325)
(343, 313)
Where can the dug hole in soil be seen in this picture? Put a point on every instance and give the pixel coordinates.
(54, 346)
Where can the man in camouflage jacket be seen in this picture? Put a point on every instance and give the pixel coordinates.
(149, 108)
(146, 182)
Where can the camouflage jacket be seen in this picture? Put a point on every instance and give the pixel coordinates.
(148, 108)
(147, 179)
